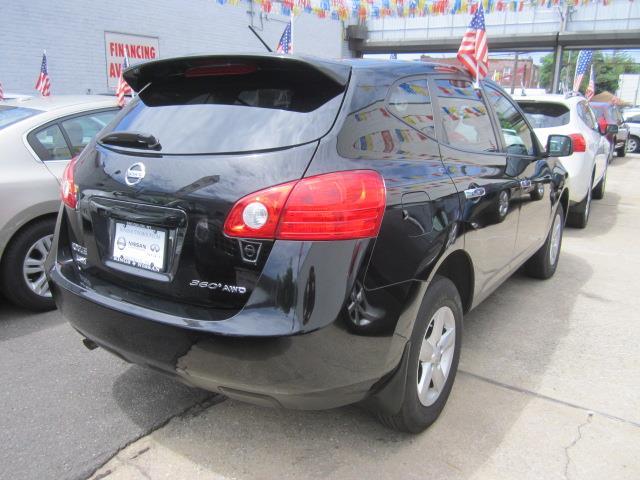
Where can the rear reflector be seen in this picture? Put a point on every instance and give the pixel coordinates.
(68, 188)
(335, 206)
(579, 143)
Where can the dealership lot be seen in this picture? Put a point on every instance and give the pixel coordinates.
(549, 388)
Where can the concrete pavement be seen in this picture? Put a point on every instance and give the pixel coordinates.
(549, 388)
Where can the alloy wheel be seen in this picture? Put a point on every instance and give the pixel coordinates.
(436, 356)
(33, 266)
(632, 145)
(556, 237)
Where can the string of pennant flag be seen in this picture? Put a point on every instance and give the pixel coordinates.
(365, 9)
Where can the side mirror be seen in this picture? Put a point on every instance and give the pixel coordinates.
(611, 128)
(559, 146)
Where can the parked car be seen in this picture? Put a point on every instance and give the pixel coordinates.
(609, 114)
(304, 233)
(587, 166)
(632, 119)
(38, 136)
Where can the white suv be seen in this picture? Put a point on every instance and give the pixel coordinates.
(587, 167)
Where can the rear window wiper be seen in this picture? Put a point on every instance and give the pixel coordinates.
(137, 140)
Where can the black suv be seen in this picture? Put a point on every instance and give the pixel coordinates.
(304, 233)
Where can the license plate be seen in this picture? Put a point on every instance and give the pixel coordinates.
(139, 246)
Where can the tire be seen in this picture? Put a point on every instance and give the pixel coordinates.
(622, 151)
(598, 192)
(579, 214)
(543, 264)
(421, 407)
(33, 240)
(633, 144)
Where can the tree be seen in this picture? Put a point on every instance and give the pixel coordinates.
(608, 68)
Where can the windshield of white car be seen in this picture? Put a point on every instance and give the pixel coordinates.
(10, 115)
(545, 115)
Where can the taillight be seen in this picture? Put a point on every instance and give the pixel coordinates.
(579, 143)
(68, 187)
(333, 206)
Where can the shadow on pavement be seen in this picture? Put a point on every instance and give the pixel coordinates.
(16, 322)
(510, 338)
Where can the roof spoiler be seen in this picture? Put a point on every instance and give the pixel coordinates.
(138, 76)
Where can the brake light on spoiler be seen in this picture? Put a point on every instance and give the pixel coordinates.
(334, 206)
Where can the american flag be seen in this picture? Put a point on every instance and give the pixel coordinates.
(591, 88)
(584, 60)
(43, 85)
(1, 92)
(474, 51)
(284, 45)
(123, 87)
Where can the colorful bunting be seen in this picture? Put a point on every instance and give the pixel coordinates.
(366, 9)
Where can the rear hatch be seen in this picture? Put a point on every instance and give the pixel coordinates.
(156, 187)
(547, 117)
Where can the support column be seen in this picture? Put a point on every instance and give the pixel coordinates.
(557, 65)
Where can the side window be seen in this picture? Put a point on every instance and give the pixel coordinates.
(634, 119)
(80, 130)
(464, 116)
(518, 137)
(409, 100)
(584, 112)
(49, 144)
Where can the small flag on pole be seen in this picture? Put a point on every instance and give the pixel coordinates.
(123, 87)
(474, 51)
(584, 60)
(591, 88)
(1, 92)
(43, 85)
(284, 45)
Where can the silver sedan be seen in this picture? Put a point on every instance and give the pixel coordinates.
(38, 136)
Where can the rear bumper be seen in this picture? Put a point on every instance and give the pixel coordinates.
(326, 368)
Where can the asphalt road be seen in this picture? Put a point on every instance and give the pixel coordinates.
(549, 388)
(65, 410)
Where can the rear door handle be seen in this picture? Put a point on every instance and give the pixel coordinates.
(477, 192)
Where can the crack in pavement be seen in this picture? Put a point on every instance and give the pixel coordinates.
(192, 410)
(531, 393)
(574, 442)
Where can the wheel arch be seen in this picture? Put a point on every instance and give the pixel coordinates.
(458, 267)
(22, 228)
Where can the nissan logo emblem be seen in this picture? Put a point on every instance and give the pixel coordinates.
(135, 173)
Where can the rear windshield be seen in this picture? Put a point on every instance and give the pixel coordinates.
(545, 115)
(10, 115)
(235, 113)
(604, 111)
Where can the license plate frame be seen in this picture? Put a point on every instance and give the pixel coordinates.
(140, 246)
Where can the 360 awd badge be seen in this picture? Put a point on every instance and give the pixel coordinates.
(222, 287)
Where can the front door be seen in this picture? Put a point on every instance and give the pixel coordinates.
(472, 155)
(527, 165)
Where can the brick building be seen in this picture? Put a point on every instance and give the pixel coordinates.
(502, 70)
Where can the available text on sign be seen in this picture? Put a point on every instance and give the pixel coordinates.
(138, 48)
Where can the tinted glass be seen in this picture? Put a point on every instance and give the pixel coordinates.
(11, 115)
(81, 130)
(634, 119)
(233, 113)
(464, 117)
(604, 112)
(409, 100)
(49, 144)
(545, 115)
(586, 115)
(518, 137)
